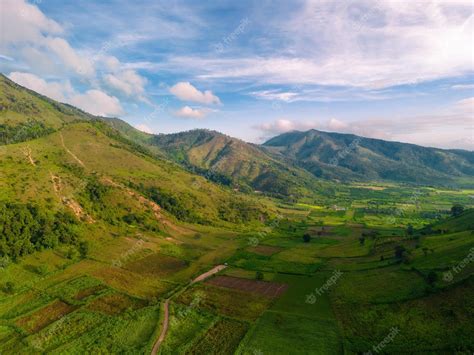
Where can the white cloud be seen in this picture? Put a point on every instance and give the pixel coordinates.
(69, 57)
(451, 127)
(54, 90)
(187, 92)
(189, 112)
(364, 44)
(128, 82)
(94, 101)
(463, 87)
(286, 96)
(97, 103)
(39, 47)
(34, 39)
(23, 22)
(144, 128)
(466, 106)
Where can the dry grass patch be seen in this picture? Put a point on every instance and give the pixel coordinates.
(45, 316)
(114, 303)
(157, 265)
(266, 250)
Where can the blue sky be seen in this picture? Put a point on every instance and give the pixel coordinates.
(252, 69)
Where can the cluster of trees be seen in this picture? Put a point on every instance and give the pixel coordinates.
(25, 228)
(22, 132)
(241, 211)
(179, 206)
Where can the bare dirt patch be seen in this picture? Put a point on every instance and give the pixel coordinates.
(266, 250)
(45, 316)
(263, 288)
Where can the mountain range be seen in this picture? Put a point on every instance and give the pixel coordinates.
(291, 164)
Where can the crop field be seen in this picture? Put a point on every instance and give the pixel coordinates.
(340, 291)
(263, 288)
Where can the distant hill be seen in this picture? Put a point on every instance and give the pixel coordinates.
(347, 157)
(463, 222)
(234, 161)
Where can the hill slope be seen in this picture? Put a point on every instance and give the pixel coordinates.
(349, 157)
(231, 160)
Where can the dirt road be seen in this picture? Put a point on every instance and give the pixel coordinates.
(209, 273)
(164, 329)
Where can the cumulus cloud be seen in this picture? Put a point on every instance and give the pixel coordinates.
(144, 128)
(451, 127)
(362, 44)
(38, 44)
(283, 125)
(30, 36)
(93, 101)
(98, 103)
(187, 92)
(128, 82)
(189, 112)
(54, 90)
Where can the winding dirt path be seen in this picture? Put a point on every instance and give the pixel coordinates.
(164, 329)
(69, 152)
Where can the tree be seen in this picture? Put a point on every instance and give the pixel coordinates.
(362, 240)
(457, 210)
(425, 251)
(306, 238)
(9, 287)
(259, 275)
(84, 249)
(400, 252)
(432, 277)
(410, 230)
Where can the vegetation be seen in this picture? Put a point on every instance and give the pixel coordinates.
(25, 228)
(100, 227)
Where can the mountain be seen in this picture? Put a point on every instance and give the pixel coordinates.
(233, 161)
(63, 152)
(347, 157)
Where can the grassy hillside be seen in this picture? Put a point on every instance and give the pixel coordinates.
(348, 157)
(232, 161)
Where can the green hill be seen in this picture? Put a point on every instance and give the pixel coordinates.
(233, 161)
(348, 157)
(463, 222)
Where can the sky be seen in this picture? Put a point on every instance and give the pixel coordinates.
(394, 70)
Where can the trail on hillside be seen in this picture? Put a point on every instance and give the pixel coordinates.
(156, 209)
(69, 202)
(164, 329)
(79, 161)
(27, 153)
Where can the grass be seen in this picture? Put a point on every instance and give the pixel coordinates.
(186, 325)
(231, 303)
(222, 338)
(283, 333)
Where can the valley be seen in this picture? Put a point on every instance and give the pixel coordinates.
(116, 241)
